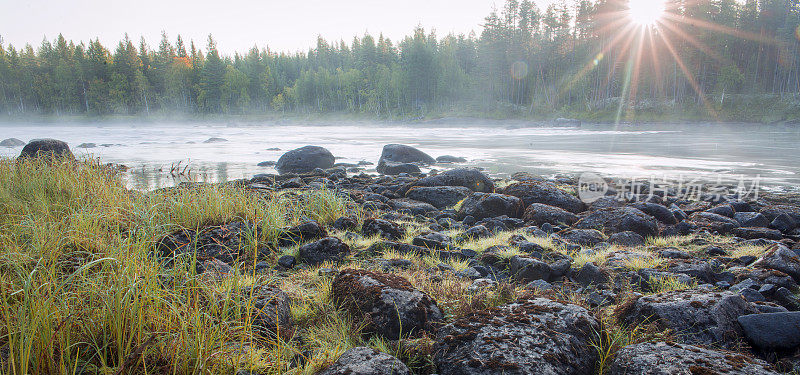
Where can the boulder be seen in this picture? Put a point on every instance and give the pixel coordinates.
(330, 249)
(530, 336)
(270, 308)
(539, 213)
(774, 331)
(439, 196)
(488, 205)
(546, 193)
(48, 148)
(773, 211)
(383, 228)
(629, 239)
(751, 219)
(527, 269)
(11, 142)
(714, 222)
(583, 237)
(388, 304)
(669, 358)
(391, 168)
(660, 212)
(366, 361)
(470, 178)
(780, 258)
(783, 223)
(310, 230)
(621, 219)
(215, 140)
(447, 159)
(305, 159)
(697, 317)
(751, 233)
(412, 206)
(589, 274)
(404, 154)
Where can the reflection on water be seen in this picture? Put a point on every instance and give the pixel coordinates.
(159, 154)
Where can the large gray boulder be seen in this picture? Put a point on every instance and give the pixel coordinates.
(531, 336)
(668, 358)
(538, 214)
(305, 159)
(271, 308)
(488, 205)
(773, 331)
(366, 361)
(697, 317)
(714, 222)
(387, 304)
(330, 249)
(11, 142)
(439, 196)
(47, 148)
(546, 193)
(621, 219)
(470, 178)
(780, 258)
(405, 154)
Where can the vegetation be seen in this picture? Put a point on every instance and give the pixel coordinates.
(706, 59)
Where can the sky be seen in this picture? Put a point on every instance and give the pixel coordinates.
(237, 25)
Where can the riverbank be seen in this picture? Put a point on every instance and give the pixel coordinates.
(449, 273)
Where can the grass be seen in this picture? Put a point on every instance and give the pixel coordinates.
(662, 284)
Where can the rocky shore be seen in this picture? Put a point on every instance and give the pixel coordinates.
(645, 282)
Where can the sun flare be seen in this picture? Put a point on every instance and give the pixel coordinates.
(646, 12)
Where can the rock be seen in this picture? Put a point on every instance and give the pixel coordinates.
(11, 142)
(304, 160)
(629, 239)
(87, 145)
(488, 205)
(388, 304)
(393, 169)
(345, 223)
(668, 358)
(776, 331)
(696, 316)
(782, 259)
(268, 164)
(583, 237)
(215, 140)
(784, 223)
(531, 336)
(772, 212)
(529, 269)
(589, 274)
(222, 242)
(476, 232)
(539, 214)
(660, 212)
(439, 196)
(271, 308)
(622, 219)
(411, 206)
(310, 230)
(383, 228)
(404, 154)
(433, 240)
(479, 285)
(545, 193)
(330, 249)
(366, 361)
(751, 219)
(755, 233)
(287, 261)
(724, 210)
(447, 159)
(470, 178)
(714, 222)
(48, 148)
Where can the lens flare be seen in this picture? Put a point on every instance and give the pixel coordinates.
(646, 12)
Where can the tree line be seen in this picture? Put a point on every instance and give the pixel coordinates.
(574, 55)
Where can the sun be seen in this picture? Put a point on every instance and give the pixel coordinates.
(646, 12)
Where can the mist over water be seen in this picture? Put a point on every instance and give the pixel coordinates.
(704, 152)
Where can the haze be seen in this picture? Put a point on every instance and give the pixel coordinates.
(236, 24)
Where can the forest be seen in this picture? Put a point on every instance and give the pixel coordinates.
(715, 58)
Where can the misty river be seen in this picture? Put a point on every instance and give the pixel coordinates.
(705, 152)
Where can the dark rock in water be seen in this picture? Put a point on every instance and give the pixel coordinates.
(11, 142)
(330, 249)
(215, 140)
(630, 239)
(754, 233)
(388, 304)
(310, 230)
(445, 159)
(531, 336)
(546, 193)
(366, 361)
(384, 228)
(48, 148)
(305, 159)
(583, 237)
(751, 219)
(271, 308)
(439, 196)
(539, 214)
(697, 317)
(412, 206)
(669, 358)
(623, 219)
(394, 169)
(404, 154)
(782, 259)
(470, 178)
(488, 205)
(87, 145)
(776, 331)
(268, 164)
